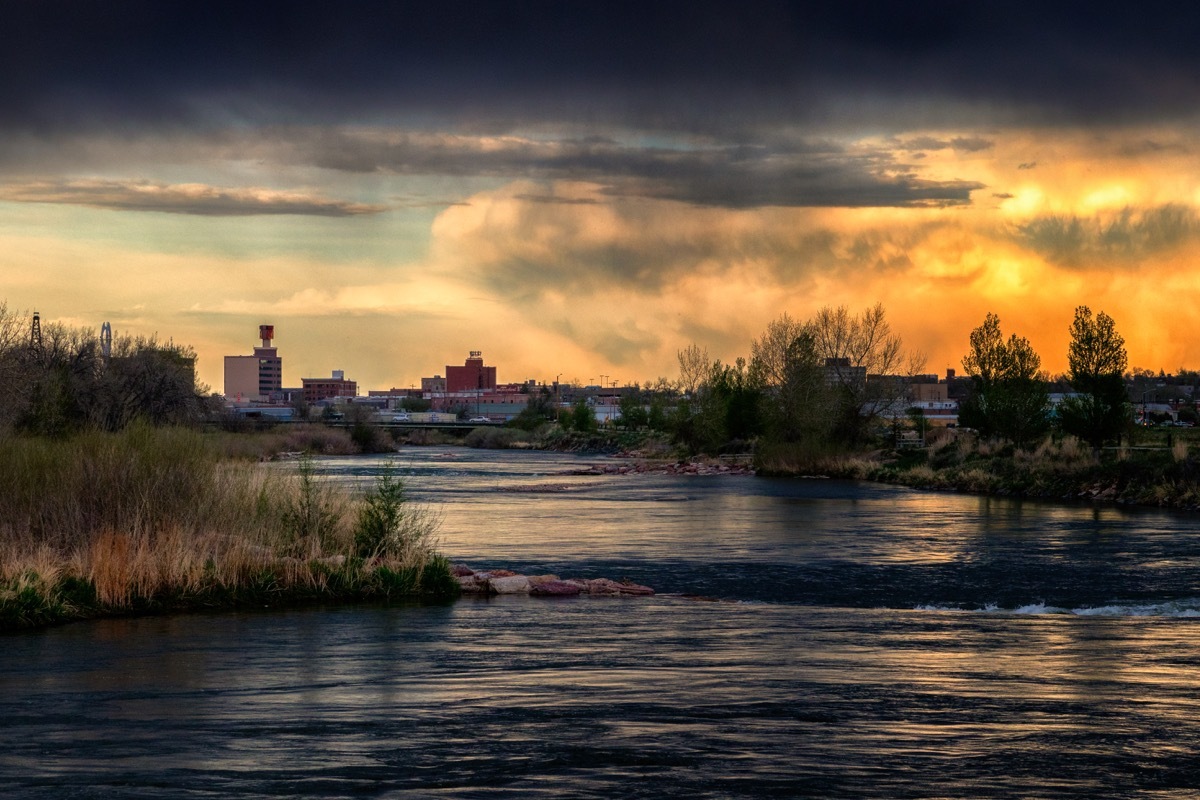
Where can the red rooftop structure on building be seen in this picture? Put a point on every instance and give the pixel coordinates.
(471, 376)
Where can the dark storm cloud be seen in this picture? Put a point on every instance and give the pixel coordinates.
(794, 174)
(805, 185)
(971, 144)
(1126, 238)
(696, 66)
(566, 201)
(197, 199)
(1149, 147)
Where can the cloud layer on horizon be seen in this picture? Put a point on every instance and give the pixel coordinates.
(191, 198)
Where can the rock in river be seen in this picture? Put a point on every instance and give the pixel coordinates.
(502, 581)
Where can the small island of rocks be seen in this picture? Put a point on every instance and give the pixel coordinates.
(502, 581)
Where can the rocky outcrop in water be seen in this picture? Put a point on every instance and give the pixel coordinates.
(683, 468)
(502, 581)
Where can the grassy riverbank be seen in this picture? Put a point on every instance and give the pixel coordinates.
(159, 519)
(1165, 477)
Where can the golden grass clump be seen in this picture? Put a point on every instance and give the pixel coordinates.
(301, 438)
(813, 458)
(152, 517)
(1067, 454)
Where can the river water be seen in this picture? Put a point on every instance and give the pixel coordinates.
(809, 639)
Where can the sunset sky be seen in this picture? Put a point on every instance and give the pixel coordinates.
(585, 190)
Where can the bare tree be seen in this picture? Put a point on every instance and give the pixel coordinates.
(865, 363)
(798, 405)
(864, 341)
(14, 363)
(68, 385)
(694, 368)
(769, 354)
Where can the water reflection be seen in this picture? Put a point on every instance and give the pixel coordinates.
(863, 641)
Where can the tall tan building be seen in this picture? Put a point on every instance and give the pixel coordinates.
(255, 378)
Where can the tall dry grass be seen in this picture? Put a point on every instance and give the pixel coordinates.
(158, 516)
(813, 458)
(1065, 455)
(299, 438)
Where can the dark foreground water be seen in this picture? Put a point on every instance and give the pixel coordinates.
(810, 639)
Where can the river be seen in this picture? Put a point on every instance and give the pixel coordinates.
(809, 638)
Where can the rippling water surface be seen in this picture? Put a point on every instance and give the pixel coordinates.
(809, 639)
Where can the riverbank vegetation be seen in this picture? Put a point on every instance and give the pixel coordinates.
(1056, 468)
(811, 391)
(156, 519)
(113, 500)
(830, 396)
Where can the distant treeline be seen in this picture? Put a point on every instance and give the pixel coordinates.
(62, 380)
(831, 383)
(836, 382)
(815, 385)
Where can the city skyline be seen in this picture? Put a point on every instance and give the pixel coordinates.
(588, 191)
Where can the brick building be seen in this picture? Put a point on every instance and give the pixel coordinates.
(318, 389)
(471, 376)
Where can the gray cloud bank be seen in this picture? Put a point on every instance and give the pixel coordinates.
(798, 173)
(197, 199)
(789, 172)
(1124, 238)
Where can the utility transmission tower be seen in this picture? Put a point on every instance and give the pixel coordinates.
(35, 337)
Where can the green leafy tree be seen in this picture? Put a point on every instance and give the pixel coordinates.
(1009, 398)
(416, 404)
(538, 410)
(1096, 360)
(658, 417)
(796, 401)
(694, 421)
(633, 411)
(726, 406)
(736, 397)
(581, 417)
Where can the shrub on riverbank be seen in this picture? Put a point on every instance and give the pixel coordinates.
(1052, 469)
(1056, 469)
(317, 440)
(425, 438)
(813, 458)
(497, 438)
(155, 518)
